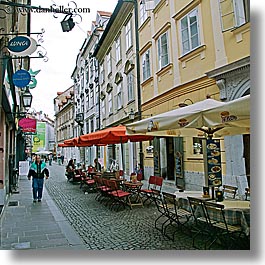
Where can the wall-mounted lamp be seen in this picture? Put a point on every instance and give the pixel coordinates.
(27, 99)
(130, 114)
(79, 118)
(185, 104)
(67, 23)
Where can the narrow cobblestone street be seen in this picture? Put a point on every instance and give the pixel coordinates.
(101, 228)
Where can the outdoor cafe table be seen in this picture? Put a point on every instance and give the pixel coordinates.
(236, 212)
(134, 188)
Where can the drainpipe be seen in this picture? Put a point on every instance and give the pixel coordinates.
(139, 94)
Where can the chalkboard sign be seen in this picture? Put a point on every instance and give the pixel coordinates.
(178, 165)
(214, 168)
(156, 163)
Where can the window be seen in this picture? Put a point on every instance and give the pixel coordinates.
(190, 32)
(102, 74)
(146, 65)
(118, 49)
(91, 98)
(197, 145)
(103, 108)
(128, 35)
(130, 86)
(110, 103)
(91, 125)
(109, 66)
(143, 13)
(163, 56)
(119, 95)
(234, 13)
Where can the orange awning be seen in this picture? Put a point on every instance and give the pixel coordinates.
(112, 135)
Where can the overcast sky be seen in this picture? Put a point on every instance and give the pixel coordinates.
(62, 48)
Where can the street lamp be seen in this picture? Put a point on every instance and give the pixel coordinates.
(27, 98)
(67, 23)
(79, 118)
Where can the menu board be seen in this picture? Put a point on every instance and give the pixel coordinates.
(214, 169)
(178, 164)
(156, 163)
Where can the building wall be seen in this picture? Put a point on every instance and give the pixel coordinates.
(186, 75)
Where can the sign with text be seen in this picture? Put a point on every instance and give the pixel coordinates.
(214, 168)
(21, 78)
(22, 45)
(28, 125)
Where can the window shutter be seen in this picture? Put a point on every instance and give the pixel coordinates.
(227, 14)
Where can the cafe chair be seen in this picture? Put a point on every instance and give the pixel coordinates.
(200, 224)
(220, 231)
(174, 213)
(119, 197)
(154, 182)
(161, 208)
(229, 191)
(247, 194)
(87, 183)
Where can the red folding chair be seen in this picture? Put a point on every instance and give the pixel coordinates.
(155, 183)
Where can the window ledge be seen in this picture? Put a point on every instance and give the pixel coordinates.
(142, 26)
(192, 53)
(148, 80)
(164, 69)
(242, 28)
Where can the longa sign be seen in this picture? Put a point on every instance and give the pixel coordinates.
(22, 45)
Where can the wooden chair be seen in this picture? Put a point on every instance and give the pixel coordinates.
(247, 194)
(120, 197)
(154, 182)
(174, 213)
(219, 229)
(229, 191)
(160, 206)
(200, 223)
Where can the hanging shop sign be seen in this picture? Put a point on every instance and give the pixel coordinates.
(21, 78)
(22, 45)
(28, 125)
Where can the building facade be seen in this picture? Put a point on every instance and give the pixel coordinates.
(64, 123)
(12, 141)
(191, 50)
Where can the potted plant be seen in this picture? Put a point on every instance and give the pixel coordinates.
(197, 148)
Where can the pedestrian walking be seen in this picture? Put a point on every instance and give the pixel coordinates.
(38, 171)
(50, 159)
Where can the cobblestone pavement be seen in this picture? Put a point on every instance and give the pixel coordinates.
(100, 228)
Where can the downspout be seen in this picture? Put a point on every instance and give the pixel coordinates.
(139, 94)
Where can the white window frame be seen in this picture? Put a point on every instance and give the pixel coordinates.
(109, 64)
(146, 65)
(118, 49)
(163, 57)
(190, 35)
(110, 103)
(130, 86)
(237, 15)
(143, 13)
(103, 108)
(128, 35)
(119, 96)
(102, 74)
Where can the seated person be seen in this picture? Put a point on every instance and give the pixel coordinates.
(70, 169)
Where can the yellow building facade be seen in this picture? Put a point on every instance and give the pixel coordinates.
(191, 50)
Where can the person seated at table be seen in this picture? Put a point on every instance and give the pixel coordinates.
(97, 165)
(70, 169)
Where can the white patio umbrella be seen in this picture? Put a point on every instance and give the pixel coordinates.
(208, 116)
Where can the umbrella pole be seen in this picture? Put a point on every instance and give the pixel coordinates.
(122, 160)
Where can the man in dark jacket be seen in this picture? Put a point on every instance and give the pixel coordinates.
(38, 171)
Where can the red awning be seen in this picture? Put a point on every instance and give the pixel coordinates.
(112, 135)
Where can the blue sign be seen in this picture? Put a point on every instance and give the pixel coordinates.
(21, 78)
(22, 45)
